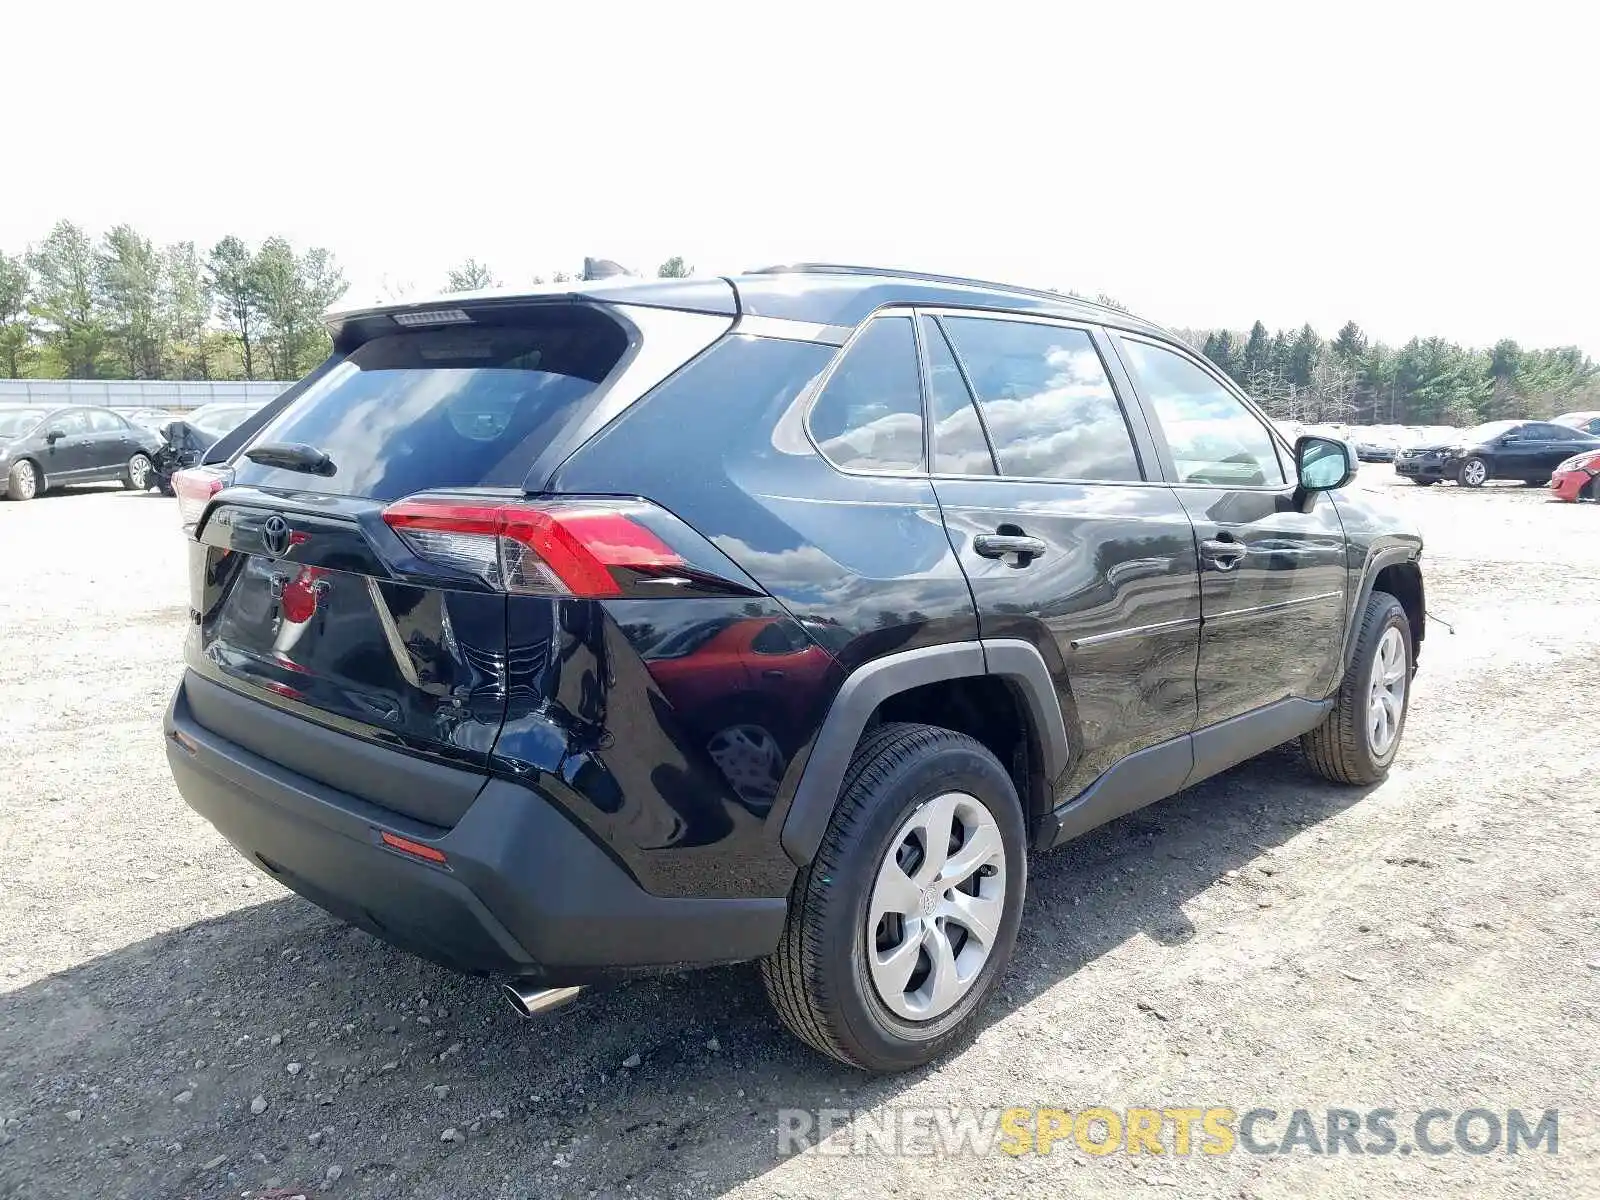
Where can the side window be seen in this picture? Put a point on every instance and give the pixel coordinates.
(869, 416)
(1214, 438)
(1048, 403)
(959, 444)
(779, 637)
(70, 423)
(105, 422)
(1555, 433)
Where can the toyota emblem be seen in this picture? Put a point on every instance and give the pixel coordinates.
(275, 535)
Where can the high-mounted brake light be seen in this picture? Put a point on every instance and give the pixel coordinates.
(564, 548)
(432, 316)
(194, 487)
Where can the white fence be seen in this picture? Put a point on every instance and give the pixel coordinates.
(176, 395)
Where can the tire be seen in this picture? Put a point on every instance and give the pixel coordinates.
(1340, 749)
(820, 979)
(136, 475)
(23, 481)
(1473, 473)
(1424, 482)
(1591, 489)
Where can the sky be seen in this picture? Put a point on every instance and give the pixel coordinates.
(1423, 169)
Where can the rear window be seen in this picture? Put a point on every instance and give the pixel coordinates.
(458, 406)
(15, 422)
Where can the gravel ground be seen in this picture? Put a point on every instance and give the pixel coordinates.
(174, 1024)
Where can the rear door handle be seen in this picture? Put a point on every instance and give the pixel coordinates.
(1222, 554)
(998, 545)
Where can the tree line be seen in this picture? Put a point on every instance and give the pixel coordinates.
(1298, 376)
(121, 307)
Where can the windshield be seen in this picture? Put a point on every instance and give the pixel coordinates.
(16, 421)
(1482, 433)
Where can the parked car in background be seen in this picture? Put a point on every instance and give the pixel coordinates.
(1584, 422)
(1577, 478)
(1374, 446)
(1524, 451)
(153, 419)
(42, 448)
(187, 438)
(784, 616)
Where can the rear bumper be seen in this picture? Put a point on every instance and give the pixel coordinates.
(524, 893)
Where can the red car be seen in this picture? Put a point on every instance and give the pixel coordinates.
(1577, 477)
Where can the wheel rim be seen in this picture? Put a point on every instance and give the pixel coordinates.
(1475, 472)
(936, 905)
(138, 470)
(1386, 700)
(27, 481)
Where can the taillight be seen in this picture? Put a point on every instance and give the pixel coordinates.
(194, 487)
(579, 548)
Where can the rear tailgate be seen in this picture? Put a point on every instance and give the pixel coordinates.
(305, 600)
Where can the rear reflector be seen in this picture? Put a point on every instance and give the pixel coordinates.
(194, 487)
(406, 846)
(561, 548)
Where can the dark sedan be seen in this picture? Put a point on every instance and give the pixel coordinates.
(1524, 451)
(43, 447)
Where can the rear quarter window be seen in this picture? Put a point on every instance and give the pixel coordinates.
(457, 406)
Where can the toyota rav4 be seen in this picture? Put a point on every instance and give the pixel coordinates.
(639, 625)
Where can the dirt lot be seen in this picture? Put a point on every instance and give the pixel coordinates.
(173, 1024)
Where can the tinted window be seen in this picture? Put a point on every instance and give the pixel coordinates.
(70, 423)
(959, 444)
(1554, 433)
(463, 406)
(1046, 399)
(102, 421)
(869, 416)
(14, 422)
(1214, 437)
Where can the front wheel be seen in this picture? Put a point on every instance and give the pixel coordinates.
(1474, 473)
(902, 924)
(1358, 739)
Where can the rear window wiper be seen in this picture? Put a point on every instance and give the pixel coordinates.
(291, 456)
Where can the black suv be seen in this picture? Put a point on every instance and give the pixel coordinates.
(641, 625)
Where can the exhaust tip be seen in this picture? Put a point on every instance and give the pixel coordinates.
(530, 1001)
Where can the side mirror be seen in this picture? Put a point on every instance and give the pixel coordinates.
(1322, 464)
(54, 436)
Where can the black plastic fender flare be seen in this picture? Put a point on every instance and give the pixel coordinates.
(1019, 662)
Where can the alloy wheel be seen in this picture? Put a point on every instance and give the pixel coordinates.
(1386, 694)
(25, 480)
(1475, 473)
(138, 472)
(934, 913)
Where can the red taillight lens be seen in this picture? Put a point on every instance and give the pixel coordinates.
(194, 487)
(559, 548)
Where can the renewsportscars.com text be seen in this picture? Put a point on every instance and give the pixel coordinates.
(1178, 1130)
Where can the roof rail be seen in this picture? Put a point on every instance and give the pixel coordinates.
(811, 268)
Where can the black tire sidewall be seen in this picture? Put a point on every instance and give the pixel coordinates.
(881, 1038)
(1394, 616)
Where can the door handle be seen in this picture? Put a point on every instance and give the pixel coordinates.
(1222, 553)
(998, 545)
(774, 673)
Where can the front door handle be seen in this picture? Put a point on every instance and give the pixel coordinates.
(998, 545)
(1222, 554)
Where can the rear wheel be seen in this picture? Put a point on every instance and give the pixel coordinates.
(902, 924)
(136, 478)
(22, 481)
(1474, 473)
(1358, 740)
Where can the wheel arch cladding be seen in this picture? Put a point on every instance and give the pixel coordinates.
(879, 684)
(1398, 572)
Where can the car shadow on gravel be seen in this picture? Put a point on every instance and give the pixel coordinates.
(659, 1084)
